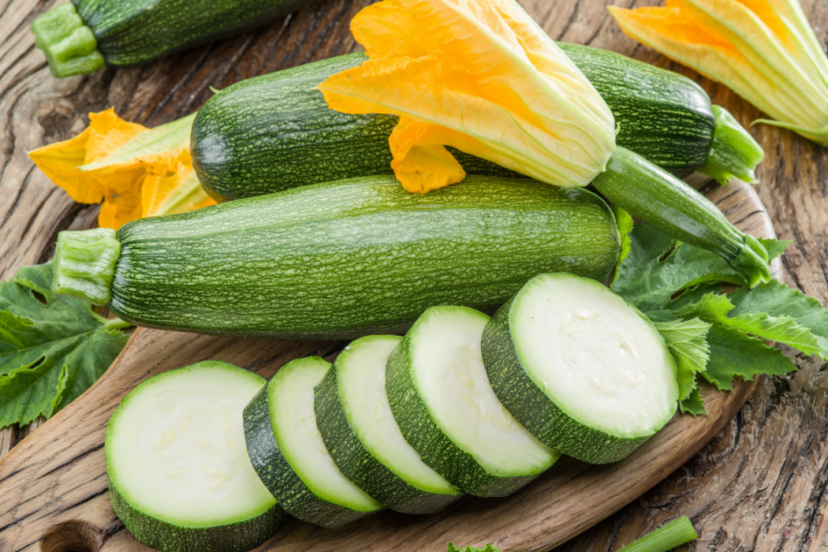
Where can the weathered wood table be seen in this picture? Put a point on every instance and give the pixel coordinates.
(759, 485)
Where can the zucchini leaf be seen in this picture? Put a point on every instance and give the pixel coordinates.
(778, 300)
(733, 353)
(693, 404)
(487, 548)
(658, 267)
(50, 351)
(713, 335)
(688, 345)
(782, 329)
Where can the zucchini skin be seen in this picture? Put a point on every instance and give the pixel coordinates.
(345, 259)
(130, 32)
(663, 116)
(275, 132)
(236, 537)
(359, 465)
(277, 475)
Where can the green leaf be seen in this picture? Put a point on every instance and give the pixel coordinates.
(687, 343)
(693, 404)
(657, 268)
(50, 352)
(732, 354)
(775, 247)
(488, 548)
(714, 308)
(778, 300)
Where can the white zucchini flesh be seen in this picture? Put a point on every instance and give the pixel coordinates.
(293, 420)
(596, 357)
(175, 448)
(365, 401)
(448, 370)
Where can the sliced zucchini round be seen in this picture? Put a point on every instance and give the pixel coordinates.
(363, 438)
(442, 400)
(287, 451)
(585, 372)
(179, 477)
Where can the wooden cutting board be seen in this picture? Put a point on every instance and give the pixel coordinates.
(53, 487)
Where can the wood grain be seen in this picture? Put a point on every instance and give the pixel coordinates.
(758, 486)
(53, 484)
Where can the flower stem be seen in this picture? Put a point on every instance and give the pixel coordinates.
(665, 538)
(70, 46)
(734, 153)
(84, 264)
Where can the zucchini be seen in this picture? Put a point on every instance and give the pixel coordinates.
(337, 260)
(667, 204)
(582, 370)
(442, 400)
(363, 438)
(83, 36)
(275, 132)
(179, 477)
(287, 452)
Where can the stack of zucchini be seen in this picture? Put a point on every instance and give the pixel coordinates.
(461, 404)
(322, 242)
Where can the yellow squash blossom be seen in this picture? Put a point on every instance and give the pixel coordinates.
(480, 76)
(135, 171)
(764, 50)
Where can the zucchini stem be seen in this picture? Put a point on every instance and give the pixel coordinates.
(666, 537)
(70, 46)
(84, 264)
(669, 205)
(733, 153)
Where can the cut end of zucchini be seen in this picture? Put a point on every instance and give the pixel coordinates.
(581, 369)
(733, 153)
(84, 264)
(70, 46)
(179, 475)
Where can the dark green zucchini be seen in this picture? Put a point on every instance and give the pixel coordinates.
(275, 132)
(83, 36)
(339, 259)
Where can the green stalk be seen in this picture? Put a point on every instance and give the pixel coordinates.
(669, 205)
(70, 46)
(733, 153)
(84, 264)
(665, 538)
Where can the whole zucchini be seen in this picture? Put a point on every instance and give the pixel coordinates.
(338, 260)
(275, 132)
(81, 37)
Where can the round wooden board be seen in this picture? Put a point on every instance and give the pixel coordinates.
(54, 483)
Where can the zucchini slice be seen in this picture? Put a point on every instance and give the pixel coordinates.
(363, 438)
(446, 409)
(179, 476)
(581, 369)
(287, 451)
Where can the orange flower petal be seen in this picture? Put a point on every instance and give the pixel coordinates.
(763, 49)
(134, 170)
(483, 78)
(59, 161)
(120, 208)
(177, 193)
